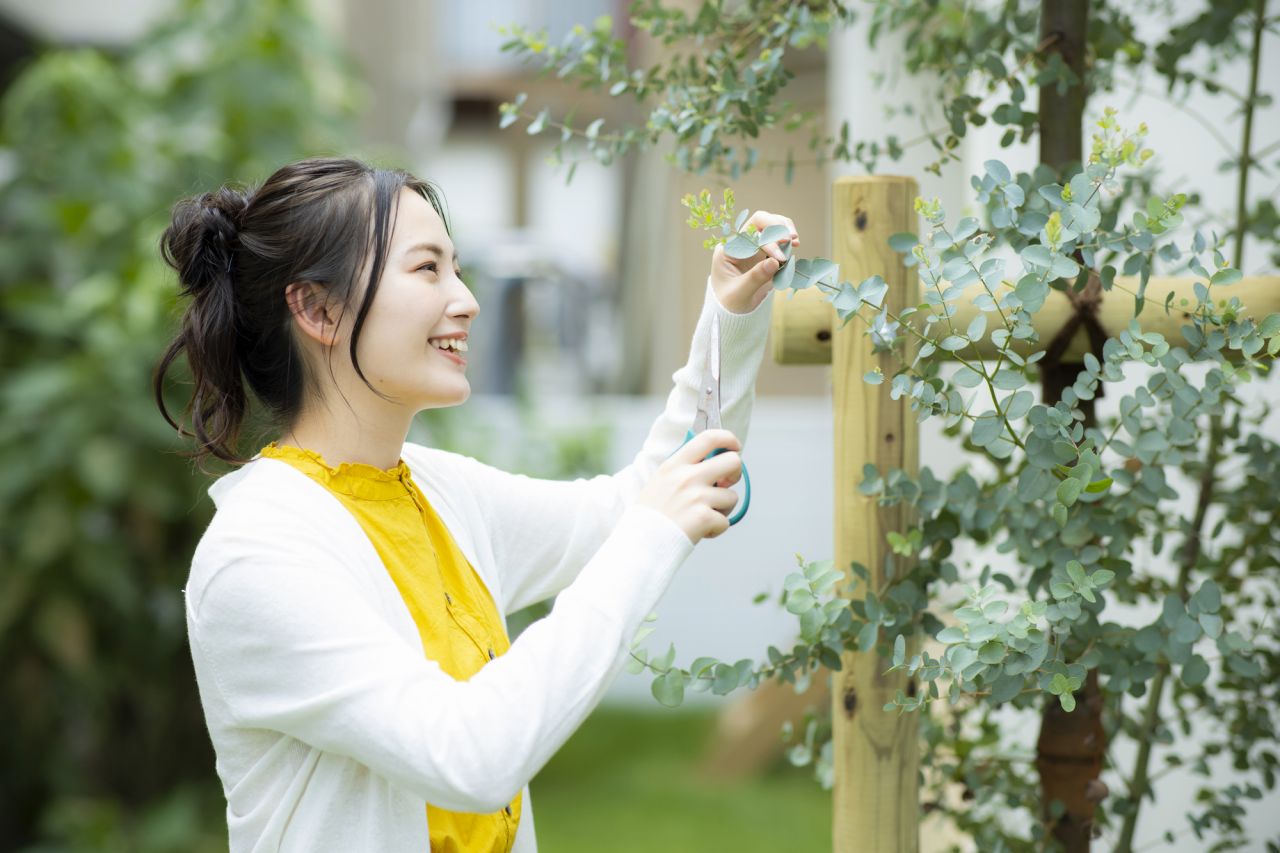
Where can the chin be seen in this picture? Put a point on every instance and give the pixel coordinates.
(442, 398)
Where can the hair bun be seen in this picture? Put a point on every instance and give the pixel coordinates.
(200, 242)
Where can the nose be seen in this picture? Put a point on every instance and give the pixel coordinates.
(466, 305)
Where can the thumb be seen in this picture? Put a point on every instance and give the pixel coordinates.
(763, 271)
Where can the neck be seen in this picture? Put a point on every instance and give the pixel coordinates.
(340, 437)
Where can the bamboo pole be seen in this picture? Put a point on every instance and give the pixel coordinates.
(802, 323)
(876, 753)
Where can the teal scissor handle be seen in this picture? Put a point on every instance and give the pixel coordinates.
(746, 481)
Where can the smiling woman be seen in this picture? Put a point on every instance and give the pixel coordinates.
(345, 606)
(272, 274)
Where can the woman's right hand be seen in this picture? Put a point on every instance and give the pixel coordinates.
(692, 490)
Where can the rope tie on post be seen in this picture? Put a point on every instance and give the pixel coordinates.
(1055, 375)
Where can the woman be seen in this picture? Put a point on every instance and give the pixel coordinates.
(345, 605)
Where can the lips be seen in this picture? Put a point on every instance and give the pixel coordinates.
(456, 358)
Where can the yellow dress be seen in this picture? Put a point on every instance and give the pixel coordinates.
(457, 619)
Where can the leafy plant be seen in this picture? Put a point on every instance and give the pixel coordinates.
(1067, 504)
(1065, 538)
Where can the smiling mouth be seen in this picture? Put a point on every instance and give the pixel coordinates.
(456, 358)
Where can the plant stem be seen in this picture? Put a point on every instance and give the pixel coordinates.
(1246, 142)
(1191, 550)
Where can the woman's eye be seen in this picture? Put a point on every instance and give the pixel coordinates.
(433, 267)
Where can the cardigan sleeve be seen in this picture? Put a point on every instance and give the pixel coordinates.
(283, 634)
(544, 530)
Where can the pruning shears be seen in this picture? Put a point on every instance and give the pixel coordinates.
(708, 414)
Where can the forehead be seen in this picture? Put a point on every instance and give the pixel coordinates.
(417, 222)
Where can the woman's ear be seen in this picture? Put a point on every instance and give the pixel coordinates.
(310, 306)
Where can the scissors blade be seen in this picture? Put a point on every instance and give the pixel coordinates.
(713, 380)
(708, 412)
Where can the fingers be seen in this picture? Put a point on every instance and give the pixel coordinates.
(720, 471)
(762, 219)
(723, 467)
(765, 270)
(701, 445)
(722, 500)
(719, 524)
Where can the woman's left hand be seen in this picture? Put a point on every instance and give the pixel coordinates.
(741, 285)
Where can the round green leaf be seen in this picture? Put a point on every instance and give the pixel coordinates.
(1008, 380)
(1209, 597)
(1226, 276)
(986, 429)
(1069, 491)
(1195, 671)
(992, 652)
(967, 377)
(1212, 625)
(740, 247)
(668, 688)
(903, 241)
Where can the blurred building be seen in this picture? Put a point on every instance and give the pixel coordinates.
(587, 286)
(592, 285)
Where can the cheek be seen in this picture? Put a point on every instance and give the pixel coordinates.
(405, 313)
(403, 328)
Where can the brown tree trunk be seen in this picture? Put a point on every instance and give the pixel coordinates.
(1072, 745)
(1064, 27)
(1069, 759)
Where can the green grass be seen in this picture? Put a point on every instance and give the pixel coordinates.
(627, 781)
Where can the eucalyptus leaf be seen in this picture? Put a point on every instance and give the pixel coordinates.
(668, 688)
(740, 247)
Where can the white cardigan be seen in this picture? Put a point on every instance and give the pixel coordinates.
(331, 729)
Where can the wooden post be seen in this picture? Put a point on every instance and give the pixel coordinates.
(876, 753)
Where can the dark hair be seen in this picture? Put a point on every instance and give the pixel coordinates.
(237, 250)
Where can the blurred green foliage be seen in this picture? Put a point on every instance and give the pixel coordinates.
(104, 745)
(98, 703)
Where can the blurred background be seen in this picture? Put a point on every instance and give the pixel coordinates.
(111, 112)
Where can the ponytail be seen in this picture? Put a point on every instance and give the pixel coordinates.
(200, 243)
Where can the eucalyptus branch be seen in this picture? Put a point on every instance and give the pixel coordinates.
(988, 659)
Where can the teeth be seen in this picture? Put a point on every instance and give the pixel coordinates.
(450, 344)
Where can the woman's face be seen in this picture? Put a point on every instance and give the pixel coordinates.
(420, 299)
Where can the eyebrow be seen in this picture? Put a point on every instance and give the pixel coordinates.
(429, 247)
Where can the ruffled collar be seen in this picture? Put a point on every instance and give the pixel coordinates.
(357, 479)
